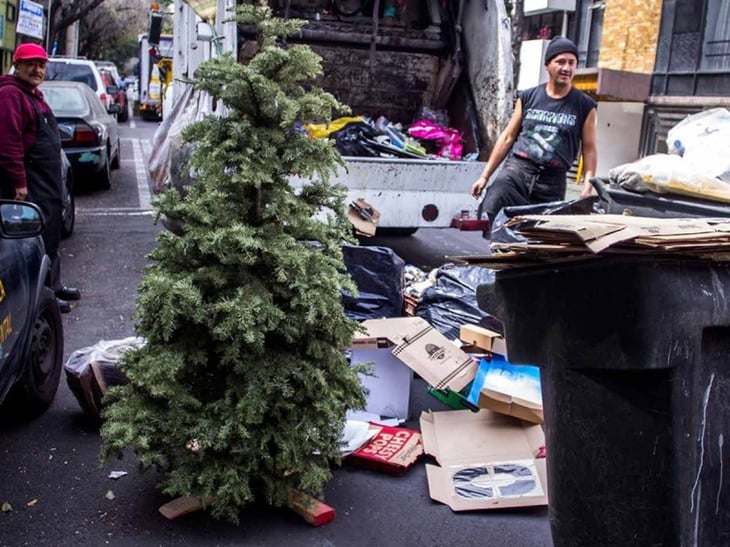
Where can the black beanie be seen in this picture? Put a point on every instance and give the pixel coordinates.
(559, 45)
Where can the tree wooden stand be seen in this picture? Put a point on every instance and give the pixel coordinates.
(310, 509)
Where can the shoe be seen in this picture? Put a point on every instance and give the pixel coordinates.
(63, 305)
(68, 293)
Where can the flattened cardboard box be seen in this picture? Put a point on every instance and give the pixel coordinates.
(422, 348)
(486, 460)
(493, 399)
(483, 339)
(363, 217)
(392, 450)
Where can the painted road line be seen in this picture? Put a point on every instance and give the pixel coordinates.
(114, 211)
(146, 148)
(140, 169)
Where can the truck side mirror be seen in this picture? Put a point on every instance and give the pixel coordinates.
(204, 31)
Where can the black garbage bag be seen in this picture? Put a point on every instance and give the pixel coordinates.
(503, 234)
(352, 139)
(379, 275)
(452, 301)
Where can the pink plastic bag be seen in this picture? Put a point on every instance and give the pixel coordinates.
(448, 139)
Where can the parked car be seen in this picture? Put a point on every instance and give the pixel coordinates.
(111, 67)
(89, 134)
(73, 69)
(31, 330)
(120, 97)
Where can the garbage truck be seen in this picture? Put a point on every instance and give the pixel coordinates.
(411, 60)
(155, 75)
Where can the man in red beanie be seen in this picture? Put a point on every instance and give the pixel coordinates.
(550, 124)
(30, 153)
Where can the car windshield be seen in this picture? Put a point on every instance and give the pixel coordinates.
(71, 73)
(65, 101)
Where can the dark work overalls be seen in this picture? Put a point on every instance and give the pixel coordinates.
(45, 187)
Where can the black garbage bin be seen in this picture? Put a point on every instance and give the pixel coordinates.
(635, 357)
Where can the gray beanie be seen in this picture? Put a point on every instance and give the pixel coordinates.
(559, 45)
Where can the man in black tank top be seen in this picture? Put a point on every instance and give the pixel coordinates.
(550, 124)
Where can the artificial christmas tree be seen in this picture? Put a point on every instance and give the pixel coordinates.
(241, 390)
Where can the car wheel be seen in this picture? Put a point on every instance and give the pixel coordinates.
(35, 391)
(105, 179)
(123, 115)
(116, 160)
(68, 215)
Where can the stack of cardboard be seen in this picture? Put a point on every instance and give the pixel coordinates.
(500, 386)
(555, 237)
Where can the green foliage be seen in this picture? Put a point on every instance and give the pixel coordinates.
(241, 390)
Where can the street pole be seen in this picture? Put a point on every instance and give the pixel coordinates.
(48, 26)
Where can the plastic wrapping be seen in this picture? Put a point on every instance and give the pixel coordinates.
(379, 275)
(448, 139)
(669, 173)
(352, 140)
(452, 302)
(167, 165)
(703, 140)
(90, 370)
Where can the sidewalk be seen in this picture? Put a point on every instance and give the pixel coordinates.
(573, 190)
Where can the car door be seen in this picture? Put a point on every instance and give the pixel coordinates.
(14, 306)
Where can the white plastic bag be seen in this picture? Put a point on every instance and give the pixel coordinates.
(90, 370)
(672, 174)
(703, 140)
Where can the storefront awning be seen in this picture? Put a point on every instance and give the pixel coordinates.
(613, 85)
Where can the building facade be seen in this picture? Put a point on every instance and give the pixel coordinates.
(692, 70)
(9, 14)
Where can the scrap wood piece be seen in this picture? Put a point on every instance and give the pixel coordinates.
(310, 509)
(181, 506)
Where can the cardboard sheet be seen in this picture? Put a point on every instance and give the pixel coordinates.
(363, 217)
(420, 347)
(391, 450)
(486, 460)
(598, 233)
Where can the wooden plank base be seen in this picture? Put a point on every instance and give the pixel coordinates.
(310, 509)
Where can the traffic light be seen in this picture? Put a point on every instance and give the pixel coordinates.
(155, 25)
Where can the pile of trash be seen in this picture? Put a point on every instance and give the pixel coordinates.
(697, 163)
(429, 137)
(494, 408)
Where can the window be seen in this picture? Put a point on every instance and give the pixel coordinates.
(10, 13)
(596, 32)
(544, 26)
(716, 43)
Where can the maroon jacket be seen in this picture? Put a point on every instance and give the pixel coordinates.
(17, 130)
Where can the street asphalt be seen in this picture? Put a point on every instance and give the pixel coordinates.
(60, 494)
